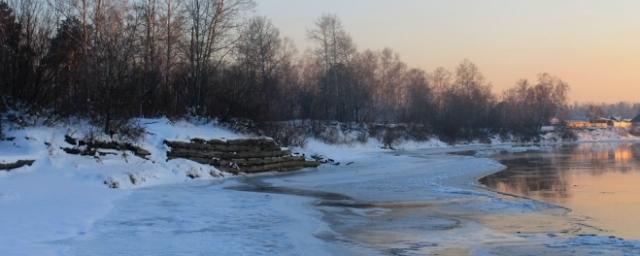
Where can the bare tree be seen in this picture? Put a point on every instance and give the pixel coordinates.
(258, 48)
(334, 51)
(111, 60)
(390, 81)
(526, 107)
(419, 102)
(335, 45)
(467, 104)
(211, 27)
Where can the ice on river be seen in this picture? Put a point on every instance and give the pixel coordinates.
(204, 219)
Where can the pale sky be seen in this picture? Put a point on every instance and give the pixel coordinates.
(594, 45)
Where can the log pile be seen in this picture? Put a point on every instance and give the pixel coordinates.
(239, 156)
(20, 163)
(94, 147)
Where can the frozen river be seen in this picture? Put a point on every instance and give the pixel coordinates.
(410, 203)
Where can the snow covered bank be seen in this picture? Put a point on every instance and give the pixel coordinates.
(44, 144)
(605, 135)
(61, 195)
(590, 136)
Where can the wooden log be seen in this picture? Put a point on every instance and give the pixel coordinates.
(187, 153)
(184, 145)
(82, 152)
(70, 140)
(216, 142)
(255, 164)
(222, 147)
(96, 144)
(279, 166)
(266, 160)
(244, 155)
(16, 165)
(241, 148)
(238, 142)
(86, 152)
(106, 145)
(138, 151)
(198, 141)
(261, 154)
(244, 142)
(254, 141)
(183, 153)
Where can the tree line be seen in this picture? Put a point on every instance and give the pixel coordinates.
(112, 60)
(622, 110)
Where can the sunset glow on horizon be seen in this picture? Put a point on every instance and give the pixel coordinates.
(592, 45)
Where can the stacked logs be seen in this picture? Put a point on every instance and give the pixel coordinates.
(93, 147)
(239, 156)
(20, 163)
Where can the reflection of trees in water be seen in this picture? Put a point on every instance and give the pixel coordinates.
(548, 175)
(531, 176)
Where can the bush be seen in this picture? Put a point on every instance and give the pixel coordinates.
(390, 137)
(285, 133)
(568, 134)
(124, 130)
(130, 131)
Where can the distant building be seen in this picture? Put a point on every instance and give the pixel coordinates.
(577, 124)
(600, 123)
(620, 123)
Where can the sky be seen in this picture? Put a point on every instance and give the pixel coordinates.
(594, 45)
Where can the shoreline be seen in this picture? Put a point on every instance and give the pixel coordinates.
(476, 182)
(441, 194)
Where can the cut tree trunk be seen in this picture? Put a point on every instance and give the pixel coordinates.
(92, 146)
(20, 163)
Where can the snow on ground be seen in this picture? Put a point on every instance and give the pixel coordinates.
(605, 135)
(203, 218)
(61, 195)
(349, 152)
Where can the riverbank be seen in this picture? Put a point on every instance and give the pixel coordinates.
(60, 195)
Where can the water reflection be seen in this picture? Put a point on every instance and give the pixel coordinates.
(597, 180)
